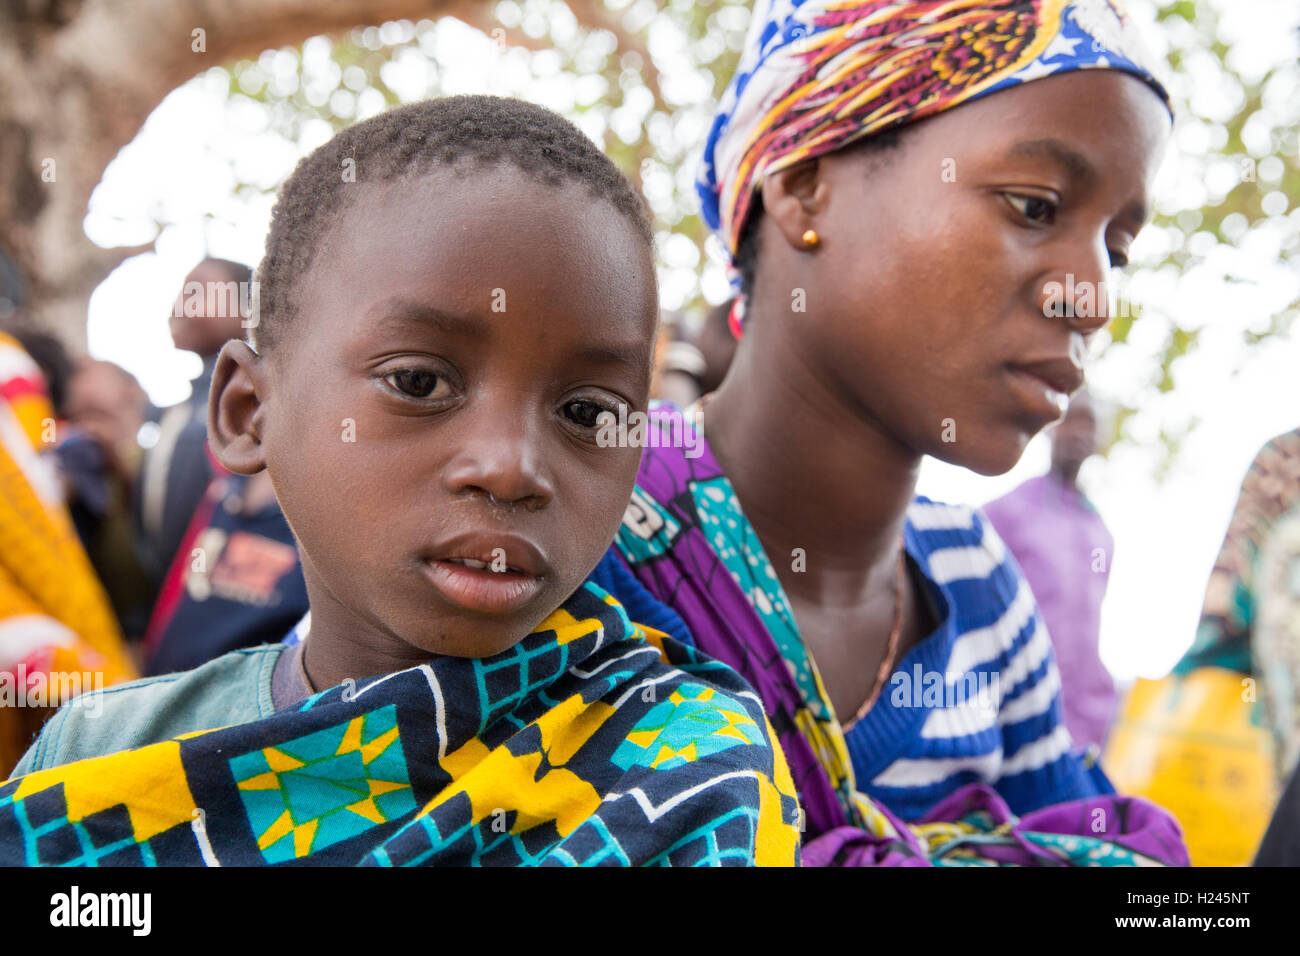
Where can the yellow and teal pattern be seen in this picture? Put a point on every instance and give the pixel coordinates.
(326, 787)
(695, 721)
(590, 742)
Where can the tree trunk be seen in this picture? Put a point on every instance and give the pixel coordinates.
(79, 79)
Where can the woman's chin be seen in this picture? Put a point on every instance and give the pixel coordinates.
(986, 455)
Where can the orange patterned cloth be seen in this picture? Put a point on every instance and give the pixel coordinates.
(55, 620)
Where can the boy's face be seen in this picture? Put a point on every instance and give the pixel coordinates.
(432, 405)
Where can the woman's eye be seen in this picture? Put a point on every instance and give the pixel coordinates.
(1034, 208)
(1118, 260)
(583, 413)
(417, 383)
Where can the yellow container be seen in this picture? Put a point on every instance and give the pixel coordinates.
(1191, 745)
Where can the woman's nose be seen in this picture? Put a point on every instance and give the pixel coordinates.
(1080, 292)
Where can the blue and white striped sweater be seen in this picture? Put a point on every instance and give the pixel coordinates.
(999, 719)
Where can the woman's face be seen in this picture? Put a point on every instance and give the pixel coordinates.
(934, 299)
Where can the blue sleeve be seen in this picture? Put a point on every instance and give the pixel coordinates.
(614, 576)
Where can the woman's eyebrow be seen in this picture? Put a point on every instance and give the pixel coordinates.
(1081, 169)
(1074, 162)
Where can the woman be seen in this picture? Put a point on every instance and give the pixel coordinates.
(901, 240)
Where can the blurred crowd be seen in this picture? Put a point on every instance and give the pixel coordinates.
(172, 560)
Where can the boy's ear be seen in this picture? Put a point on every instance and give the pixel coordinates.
(236, 414)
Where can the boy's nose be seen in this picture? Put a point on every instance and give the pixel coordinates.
(502, 459)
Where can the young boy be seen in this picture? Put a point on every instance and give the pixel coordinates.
(451, 294)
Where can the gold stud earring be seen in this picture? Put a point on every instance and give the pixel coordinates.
(810, 238)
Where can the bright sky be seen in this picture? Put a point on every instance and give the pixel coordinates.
(182, 169)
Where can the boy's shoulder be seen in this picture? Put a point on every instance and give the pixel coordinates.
(234, 688)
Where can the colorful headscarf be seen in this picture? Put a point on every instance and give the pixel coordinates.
(816, 75)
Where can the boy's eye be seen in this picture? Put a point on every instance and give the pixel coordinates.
(1034, 208)
(583, 413)
(417, 383)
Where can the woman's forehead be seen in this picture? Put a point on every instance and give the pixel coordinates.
(1094, 126)
(814, 76)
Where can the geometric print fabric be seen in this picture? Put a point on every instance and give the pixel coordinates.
(590, 742)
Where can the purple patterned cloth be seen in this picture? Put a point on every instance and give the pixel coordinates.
(975, 827)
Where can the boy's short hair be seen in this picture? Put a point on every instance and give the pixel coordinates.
(409, 141)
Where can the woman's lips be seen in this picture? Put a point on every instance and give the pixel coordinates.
(482, 589)
(1037, 396)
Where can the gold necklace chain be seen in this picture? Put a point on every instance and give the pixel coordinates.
(895, 630)
(891, 647)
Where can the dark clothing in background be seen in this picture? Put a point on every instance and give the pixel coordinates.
(99, 501)
(1281, 843)
(174, 476)
(236, 582)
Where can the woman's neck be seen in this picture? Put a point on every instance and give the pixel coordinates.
(811, 471)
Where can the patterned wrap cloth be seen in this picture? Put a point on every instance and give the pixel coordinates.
(815, 75)
(592, 741)
(57, 631)
(670, 539)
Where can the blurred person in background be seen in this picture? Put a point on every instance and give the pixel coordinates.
(236, 580)
(1250, 621)
(209, 311)
(231, 575)
(51, 358)
(717, 345)
(1065, 552)
(691, 366)
(54, 616)
(678, 363)
(98, 409)
(100, 460)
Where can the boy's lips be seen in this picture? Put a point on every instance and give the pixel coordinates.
(482, 589)
(464, 570)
